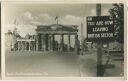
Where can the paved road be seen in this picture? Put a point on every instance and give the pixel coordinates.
(55, 64)
(43, 64)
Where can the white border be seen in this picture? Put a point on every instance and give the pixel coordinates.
(60, 2)
(2, 42)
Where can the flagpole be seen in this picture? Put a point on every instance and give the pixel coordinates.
(57, 20)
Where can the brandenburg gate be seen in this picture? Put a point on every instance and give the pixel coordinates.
(45, 40)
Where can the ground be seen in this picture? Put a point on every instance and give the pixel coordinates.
(57, 64)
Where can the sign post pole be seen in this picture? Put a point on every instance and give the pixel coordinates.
(100, 29)
(99, 47)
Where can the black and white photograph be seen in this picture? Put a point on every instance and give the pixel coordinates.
(0, 40)
(64, 40)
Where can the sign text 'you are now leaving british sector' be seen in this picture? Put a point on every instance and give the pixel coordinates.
(100, 28)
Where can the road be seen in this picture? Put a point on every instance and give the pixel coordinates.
(52, 64)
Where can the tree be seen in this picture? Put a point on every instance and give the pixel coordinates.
(117, 12)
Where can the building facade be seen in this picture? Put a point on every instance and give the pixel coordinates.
(45, 40)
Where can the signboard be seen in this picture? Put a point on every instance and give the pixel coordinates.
(100, 28)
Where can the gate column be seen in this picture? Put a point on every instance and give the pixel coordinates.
(61, 42)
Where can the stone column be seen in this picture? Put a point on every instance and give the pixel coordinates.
(37, 38)
(29, 45)
(46, 42)
(39, 42)
(69, 42)
(49, 42)
(61, 42)
(53, 42)
(32, 45)
(35, 45)
(51, 49)
(24, 46)
(18, 45)
(77, 44)
(42, 42)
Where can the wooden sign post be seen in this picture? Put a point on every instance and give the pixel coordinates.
(100, 29)
(100, 69)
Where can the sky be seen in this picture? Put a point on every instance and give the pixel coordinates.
(28, 16)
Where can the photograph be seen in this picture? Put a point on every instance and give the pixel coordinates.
(64, 40)
(0, 40)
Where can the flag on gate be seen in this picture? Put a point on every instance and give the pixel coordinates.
(15, 22)
(56, 18)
